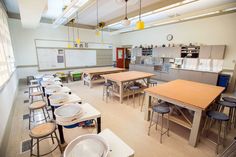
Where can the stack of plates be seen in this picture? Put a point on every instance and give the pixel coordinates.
(87, 146)
(58, 98)
(68, 113)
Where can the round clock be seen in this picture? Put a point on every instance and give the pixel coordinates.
(169, 37)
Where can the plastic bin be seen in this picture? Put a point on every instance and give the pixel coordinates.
(76, 76)
(223, 80)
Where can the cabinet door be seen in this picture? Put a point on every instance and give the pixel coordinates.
(173, 74)
(183, 74)
(209, 78)
(218, 52)
(205, 52)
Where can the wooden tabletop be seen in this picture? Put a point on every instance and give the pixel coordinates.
(127, 76)
(191, 93)
(101, 70)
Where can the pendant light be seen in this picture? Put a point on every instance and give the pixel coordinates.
(98, 31)
(140, 23)
(68, 44)
(126, 21)
(78, 41)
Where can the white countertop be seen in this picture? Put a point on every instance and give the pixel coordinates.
(200, 70)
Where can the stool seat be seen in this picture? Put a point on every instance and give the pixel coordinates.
(37, 105)
(229, 99)
(217, 115)
(227, 104)
(161, 109)
(152, 82)
(134, 88)
(34, 86)
(107, 84)
(36, 93)
(42, 130)
(163, 104)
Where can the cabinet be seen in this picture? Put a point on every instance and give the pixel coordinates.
(212, 52)
(136, 52)
(218, 51)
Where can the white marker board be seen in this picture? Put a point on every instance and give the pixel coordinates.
(50, 58)
(80, 58)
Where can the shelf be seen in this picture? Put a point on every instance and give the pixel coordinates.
(179, 120)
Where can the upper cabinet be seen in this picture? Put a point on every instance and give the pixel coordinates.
(136, 52)
(172, 52)
(212, 52)
(218, 51)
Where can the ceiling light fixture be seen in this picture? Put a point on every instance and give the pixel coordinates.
(126, 21)
(98, 31)
(140, 23)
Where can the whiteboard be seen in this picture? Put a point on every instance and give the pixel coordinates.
(80, 58)
(50, 58)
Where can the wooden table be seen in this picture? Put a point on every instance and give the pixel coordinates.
(89, 113)
(187, 94)
(123, 77)
(117, 146)
(90, 74)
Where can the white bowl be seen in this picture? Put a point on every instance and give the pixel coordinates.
(68, 113)
(90, 145)
(58, 98)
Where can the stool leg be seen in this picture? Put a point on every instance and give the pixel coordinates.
(225, 126)
(29, 119)
(44, 115)
(234, 117)
(205, 125)
(230, 118)
(157, 120)
(47, 112)
(103, 93)
(139, 99)
(133, 98)
(106, 93)
(58, 141)
(218, 139)
(31, 147)
(161, 127)
(168, 125)
(33, 116)
(37, 147)
(150, 123)
(52, 139)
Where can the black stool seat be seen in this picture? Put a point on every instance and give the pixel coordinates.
(161, 109)
(229, 99)
(227, 104)
(152, 82)
(217, 115)
(107, 84)
(134, 88)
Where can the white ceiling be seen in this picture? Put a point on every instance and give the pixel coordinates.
(110, 9)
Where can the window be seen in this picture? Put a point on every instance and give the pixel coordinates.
(7, 60)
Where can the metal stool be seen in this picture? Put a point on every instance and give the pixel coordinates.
(162, 109)
(34, 86)
(134, 90)
(220, 118)
(152, 83)
(41, 132)
(33, 94)
(229, 99)
(106, 92)
(29, 78)
(232, 108)
(36, 106)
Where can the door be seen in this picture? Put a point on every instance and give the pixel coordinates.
(120, 57)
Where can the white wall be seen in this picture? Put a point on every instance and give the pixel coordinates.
(211, 31)
(7, 97)
(24, 46)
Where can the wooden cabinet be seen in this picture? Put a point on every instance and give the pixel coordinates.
(212, 52)
(218, 51)
(205, 52)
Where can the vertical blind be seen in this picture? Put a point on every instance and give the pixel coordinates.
(7, 60)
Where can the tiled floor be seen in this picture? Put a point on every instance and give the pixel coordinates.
(124, 120)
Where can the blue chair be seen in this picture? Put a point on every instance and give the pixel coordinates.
(162, 108)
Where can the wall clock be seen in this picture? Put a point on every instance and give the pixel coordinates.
(169, 37)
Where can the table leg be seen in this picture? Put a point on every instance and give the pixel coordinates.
(49, 104)
(53, 115)
(147, 105)
(195, 128)
(121, 92)
(148, 80)
(98, 125)
(43, 88)
(61, 134)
